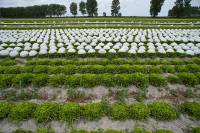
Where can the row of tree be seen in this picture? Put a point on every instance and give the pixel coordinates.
(90, 8)
(182, 8)
(37, 11)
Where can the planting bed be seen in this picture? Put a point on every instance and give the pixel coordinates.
(106, 80)
(128, 42)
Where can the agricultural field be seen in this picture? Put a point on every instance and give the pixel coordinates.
(100, 75)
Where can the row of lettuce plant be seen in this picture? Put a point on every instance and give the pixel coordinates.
(91, 80)
(136, 130)
(116, 61)
(109, 55)
(72, 112)
(104, 61)
(99, 69)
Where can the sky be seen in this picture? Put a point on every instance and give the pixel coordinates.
(128, 7)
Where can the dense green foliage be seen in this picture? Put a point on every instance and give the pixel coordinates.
(198, 77)
(37, 11)
(22, 111)
(115, 8)
(7, 62)
(140, 80)
(111, 131)
(119, 112)
(173, 79)
(114, 61)
(40, 80)
(82, 8)
(22, 80)
(44, 130)
(139, 130)
(107, 72)
(6, 80)
(82, 80)
(183, 8)
(99, 69)
(5, 109)
(191, 108)
(163, 131)
(70, 112)
(73, 8)
(92, 8)
(188, 79)
(195, 130)
(22, 131)
(79, 131)
(138, 111)
(93, 111)
(57, 80)
(136, 130)
(47, 112)
(155, 7)
(162, 111)
(157, 80)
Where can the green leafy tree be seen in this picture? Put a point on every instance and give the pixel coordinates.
(82, 8)
(37, 11)
(73, 8)
(115, 8)
(91, 7)
(182, 8)
(156, 7)
(195, 11)
(187, 7)
(178, 8)
(104, 14)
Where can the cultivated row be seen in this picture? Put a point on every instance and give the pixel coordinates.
(92, 80)
(72, 112)
(30, 43)
(100, 69)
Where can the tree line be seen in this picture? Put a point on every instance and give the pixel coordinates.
(37, 11)
(90, 7)
(182, 8)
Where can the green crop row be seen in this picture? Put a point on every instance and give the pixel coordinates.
(7, 62)
(187, 79)
(103, 19)
(72, 112)
(91, 61)
(83, 80)
(91, 80)
(99, 69)
(110, 55)
(104, 61)
(115, 55)
(136, 130)
(92, 26)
